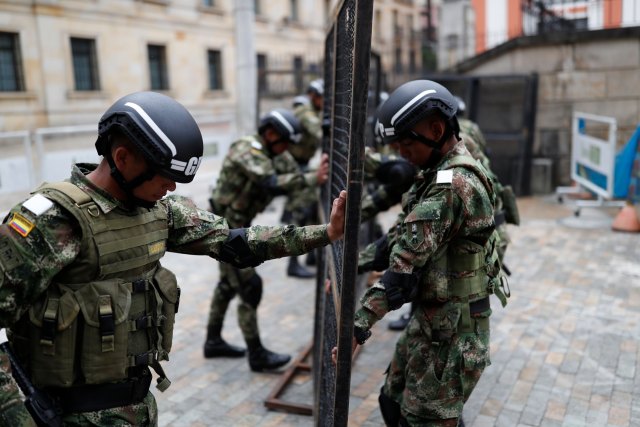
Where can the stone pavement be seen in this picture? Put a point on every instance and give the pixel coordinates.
(565, 350)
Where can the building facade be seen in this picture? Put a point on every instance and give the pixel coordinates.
(63, 62)
(470, 27)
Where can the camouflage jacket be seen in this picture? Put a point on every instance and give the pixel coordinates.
(473, 130)
(36, 245)
(434, 214)
(250, 178)
(311, 122)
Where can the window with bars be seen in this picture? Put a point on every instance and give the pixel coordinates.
(10, 63)
(214, 61)
(85, 64)
(208, 3)
(263, 83)
(159, 77)
(295, 16)
(298, 73)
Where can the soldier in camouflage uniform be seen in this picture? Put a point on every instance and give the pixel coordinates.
(87, 307)
(301, 207)
(256, 169)
(506, 209)
(442, 256)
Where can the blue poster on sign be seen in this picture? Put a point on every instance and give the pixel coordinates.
(634, 175)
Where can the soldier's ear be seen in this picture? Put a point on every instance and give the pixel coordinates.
(124, 156)
(437, 128)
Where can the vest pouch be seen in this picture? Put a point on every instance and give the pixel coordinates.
(53, 330)
(105, 306)
(445, 322)
(166, 285)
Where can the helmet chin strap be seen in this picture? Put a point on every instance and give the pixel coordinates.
(129, 186)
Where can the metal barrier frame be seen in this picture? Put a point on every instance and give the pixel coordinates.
(335, 411)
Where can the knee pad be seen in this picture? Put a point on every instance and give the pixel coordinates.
(226, 289)
(390, 410)
(251, 291)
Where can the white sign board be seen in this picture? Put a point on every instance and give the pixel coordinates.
(593, 152)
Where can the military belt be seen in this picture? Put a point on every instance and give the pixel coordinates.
(475, 307)
(480, 306)
(97, 397)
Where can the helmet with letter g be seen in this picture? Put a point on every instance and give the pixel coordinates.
(161, 129)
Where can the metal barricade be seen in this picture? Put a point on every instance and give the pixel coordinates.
(346, 71)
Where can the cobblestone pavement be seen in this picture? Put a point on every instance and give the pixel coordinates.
(565, 350)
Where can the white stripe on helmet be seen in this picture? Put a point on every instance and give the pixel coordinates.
(410, 103)
(153, 126)
(292, 134)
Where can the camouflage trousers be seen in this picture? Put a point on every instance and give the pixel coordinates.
(236, 281)
(14, 413)
(143, 414)
(301, 207)
(432, 380)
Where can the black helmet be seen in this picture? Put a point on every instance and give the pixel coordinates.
(300, 100)
(461, 105)
(412, 102)
(316, 86)
(161, 128)
(284, 122)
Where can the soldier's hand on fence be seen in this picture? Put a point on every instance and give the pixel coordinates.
(335, 230)
(323, 170)
(334, 352)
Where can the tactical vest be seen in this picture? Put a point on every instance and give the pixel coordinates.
(112, 309)
(462, 271)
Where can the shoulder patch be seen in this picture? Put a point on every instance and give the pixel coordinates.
(444, 177)
(21, 224)
(38, 204)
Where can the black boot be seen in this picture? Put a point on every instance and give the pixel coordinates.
(311, 258)
(400, 323)
(261, 359)
(215, 346)
(296, 270)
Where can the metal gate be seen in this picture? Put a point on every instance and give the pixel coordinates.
(505, 109)
(346, 70)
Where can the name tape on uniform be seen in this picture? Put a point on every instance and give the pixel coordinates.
(38, 204)
(444, 177)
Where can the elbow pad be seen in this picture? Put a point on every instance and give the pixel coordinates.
(236, 251)
(398, 174)
(399, 287)
(270, 185)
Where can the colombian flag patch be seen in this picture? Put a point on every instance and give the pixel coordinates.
(21, 224)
